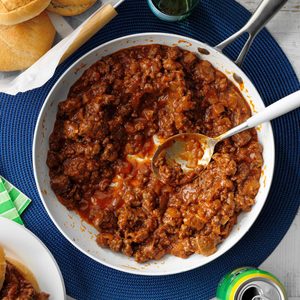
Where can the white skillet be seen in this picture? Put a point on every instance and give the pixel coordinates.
(82, 235)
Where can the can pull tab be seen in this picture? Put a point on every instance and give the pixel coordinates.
(253, 292)
(266, 10)
(260, 297)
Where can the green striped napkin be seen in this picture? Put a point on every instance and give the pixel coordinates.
(12, 201)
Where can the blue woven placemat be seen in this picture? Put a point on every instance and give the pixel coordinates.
(271, 72)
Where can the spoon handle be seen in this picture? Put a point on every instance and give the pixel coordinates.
(271, 112)
(276, 109)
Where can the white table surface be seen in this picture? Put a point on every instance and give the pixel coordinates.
(284, 262)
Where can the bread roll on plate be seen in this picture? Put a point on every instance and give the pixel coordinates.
(70, 7)
(17, 11)
(23, 44)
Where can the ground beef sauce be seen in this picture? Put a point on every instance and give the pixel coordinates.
(107, 125)
(17, 287)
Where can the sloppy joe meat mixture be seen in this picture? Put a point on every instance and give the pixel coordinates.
(17, 287)
(103, 140)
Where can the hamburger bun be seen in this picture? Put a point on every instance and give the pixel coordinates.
(23, 44)
(2, 267)
(17, 11)
(70, 7)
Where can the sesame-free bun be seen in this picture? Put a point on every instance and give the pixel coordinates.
(17, 11)
(2, 267)
(70, 7)
(23, 44)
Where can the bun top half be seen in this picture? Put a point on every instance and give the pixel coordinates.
(17, 11)
(70, 7)
(23, 44)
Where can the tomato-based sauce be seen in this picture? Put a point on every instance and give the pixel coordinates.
(102, 143)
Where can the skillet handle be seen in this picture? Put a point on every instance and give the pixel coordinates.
(265, 11)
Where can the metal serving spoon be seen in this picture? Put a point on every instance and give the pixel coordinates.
(176, 149)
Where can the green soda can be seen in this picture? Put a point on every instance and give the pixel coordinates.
(249, 283)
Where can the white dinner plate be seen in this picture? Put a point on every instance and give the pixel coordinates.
(21, 244)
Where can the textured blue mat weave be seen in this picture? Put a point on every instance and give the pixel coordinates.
(270, 71)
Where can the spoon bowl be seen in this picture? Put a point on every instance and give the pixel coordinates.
(189, 150)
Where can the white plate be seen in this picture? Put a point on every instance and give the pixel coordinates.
(21, 244)
(82, 235)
